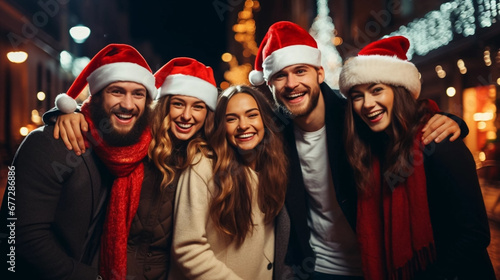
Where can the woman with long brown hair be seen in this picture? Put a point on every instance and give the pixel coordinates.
(226, 204)
(420, 212)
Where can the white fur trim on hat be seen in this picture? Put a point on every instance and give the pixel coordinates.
(365, 69)
(179, 84)
(284, 57)
(121, 72)
(256, 78)
(65, 103)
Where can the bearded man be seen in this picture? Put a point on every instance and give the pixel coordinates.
(66, 205)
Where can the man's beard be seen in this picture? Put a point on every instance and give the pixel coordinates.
(313, 102)
(102, 121)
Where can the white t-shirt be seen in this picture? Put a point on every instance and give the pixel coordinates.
(332, 238)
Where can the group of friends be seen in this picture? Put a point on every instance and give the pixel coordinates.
(163, 176)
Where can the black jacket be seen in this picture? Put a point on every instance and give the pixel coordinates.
(458, 216)
(60, 202)
(300, 253)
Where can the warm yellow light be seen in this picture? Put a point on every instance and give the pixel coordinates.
(35, 117)
(491, 135)
(239, 37)
(337, 41)
(451, 91)
(245, 14)
(461, 66)
(40, 95)
(238, 28)
(17, 57)
(226, 57)
(487, 57)
(440, 72)
(482, 156)
(483, 117)
(498, 81)
(481, 125)
(224, 85)
(247, 53)
(24, 131)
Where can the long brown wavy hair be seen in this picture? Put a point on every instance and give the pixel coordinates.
(170, 155)
(395, 151)
(231, 207)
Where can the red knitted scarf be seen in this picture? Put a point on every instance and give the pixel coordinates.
(126, 164)
(393, 226)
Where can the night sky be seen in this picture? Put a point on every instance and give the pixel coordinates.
(181, 28)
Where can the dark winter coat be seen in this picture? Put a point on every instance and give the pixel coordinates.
(60, 202)
(150, 237)
(458, 216)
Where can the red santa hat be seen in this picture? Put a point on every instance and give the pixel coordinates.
(115, 62)
(284, 44)
(382, 61)
(187, 76)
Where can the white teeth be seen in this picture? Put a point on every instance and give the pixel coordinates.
(184, 125)
(371, 115)
(122, 116)
(296, 95)
(246, 135)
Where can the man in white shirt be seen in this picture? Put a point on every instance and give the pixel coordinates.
(321, 196)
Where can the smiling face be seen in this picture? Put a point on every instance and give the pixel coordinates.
(244, 125)
(124, 103)
(120, 111)
(373, 103)
(187, 116)
(296, 88)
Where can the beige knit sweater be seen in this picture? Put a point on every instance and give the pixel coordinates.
(199, 250)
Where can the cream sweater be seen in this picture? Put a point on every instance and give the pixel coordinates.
(199, 251)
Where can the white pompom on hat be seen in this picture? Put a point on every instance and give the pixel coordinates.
(114, 63)
(189, 77)
(284, 44)
(382, 61)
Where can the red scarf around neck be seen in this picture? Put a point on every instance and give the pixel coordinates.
(393, 226)
(126, 163)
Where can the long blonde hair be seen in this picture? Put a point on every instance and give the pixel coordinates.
(170, 155)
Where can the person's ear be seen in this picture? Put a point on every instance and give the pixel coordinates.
(321, 75)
